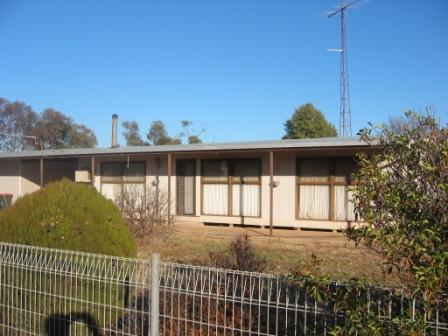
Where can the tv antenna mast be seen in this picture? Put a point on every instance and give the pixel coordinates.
(37, 141)
(345, 118)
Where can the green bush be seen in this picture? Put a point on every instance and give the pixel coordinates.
(70, 216)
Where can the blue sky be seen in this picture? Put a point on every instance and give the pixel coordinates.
(238, 67)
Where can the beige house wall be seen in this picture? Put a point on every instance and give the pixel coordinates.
(284, 193)
(21, 177)
(57, 169)
(10, 178)
(285, 197)
(30, 179)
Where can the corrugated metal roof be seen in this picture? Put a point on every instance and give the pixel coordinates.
(209, 147)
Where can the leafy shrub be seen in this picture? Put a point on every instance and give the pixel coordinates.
(70, 216)
(362, 309)
(402, 195)
(240, 255)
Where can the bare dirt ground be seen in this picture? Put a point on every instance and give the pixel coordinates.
(286, 251)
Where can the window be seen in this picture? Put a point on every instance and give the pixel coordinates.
(215, 187)
(325, 188)
(119, 177)
(215, 171)
(231, 187)
(185, 187)
(5, 201)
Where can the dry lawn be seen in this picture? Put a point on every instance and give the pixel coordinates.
(287, 250)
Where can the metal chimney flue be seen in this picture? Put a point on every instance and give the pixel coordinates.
(114, 131)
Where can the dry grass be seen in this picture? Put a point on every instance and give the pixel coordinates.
(319, 252)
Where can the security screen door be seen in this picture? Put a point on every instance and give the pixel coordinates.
(185, 187)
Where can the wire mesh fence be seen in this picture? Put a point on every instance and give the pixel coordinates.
(198, 300)
(55, 292)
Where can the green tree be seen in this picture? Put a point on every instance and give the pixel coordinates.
(194, 139)
(402, 195)
(16, 121)
(51, 129)
(308, 122)
(57, 130)
(189, 133)
(81, 137)
(132, 134)
(158, 135)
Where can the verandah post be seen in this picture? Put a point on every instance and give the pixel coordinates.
(92, 170)
(271, 192)
(169, 168)
(41, 172)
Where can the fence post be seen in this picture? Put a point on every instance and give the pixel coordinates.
(155, 273)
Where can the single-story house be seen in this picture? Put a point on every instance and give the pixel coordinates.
(301, 183)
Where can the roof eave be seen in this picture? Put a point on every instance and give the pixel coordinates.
(278, 145)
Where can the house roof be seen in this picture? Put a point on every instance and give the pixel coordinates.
(316, 143)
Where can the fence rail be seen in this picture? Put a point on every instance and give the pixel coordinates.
(56, 292)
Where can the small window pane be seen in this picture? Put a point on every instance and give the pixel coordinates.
(246, 200)
(314, 170)
(111, 172)
(185, 167)
(215, 199)
(344, 203)
(340, 203)
(351, 214)
(314, 202)
(215, 171)
(134, 172)
(111, 191)
(344, 169)
(246, 171)
(134, 194)
(5, 201)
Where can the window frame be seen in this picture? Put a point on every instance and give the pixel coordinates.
(122, 181)
(331, 183)
(230, 182)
